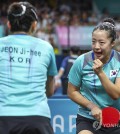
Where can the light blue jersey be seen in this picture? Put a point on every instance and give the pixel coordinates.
(83, 76)
(25, 63)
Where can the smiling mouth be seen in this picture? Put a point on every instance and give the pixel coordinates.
(98, 54)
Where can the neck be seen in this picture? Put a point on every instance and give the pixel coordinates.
(107, 58)
(20, 32)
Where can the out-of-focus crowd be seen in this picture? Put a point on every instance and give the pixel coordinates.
(53, 13)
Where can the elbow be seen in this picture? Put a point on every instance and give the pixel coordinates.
(115, 97)
(50, 93)
(116, 94)
(69, 93)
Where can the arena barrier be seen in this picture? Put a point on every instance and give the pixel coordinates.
(63, 112)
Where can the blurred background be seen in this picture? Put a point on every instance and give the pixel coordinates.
(66, 23)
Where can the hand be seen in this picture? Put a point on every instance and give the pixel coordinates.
(97, 66)
(57, 77)
(97, 113)
(57, 82)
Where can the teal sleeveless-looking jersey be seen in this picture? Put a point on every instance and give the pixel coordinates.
(25, 63)
(83, 76)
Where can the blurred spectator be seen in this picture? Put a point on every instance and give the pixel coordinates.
(3, 12)
(61, 15)
(105, 13)
(93, 19)
(65, 7)
(62, 31)
(84, 18)
(48, 34)
(40, 33)
(75, 20)
(65, 67)
(45, 19)
(117, 45)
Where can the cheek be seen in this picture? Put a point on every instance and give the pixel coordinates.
(93, 46)
(107, 47)
(107, 51)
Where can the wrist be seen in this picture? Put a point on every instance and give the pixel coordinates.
(91, 105)
(100, 73)
(57, 77)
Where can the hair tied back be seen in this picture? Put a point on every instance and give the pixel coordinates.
(23, 11)
(108, 23)
(34, 14)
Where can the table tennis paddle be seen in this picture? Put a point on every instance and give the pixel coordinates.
(110, 117)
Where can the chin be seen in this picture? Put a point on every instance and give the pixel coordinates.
(99, 57)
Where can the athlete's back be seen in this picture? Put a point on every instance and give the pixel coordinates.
(27, 69)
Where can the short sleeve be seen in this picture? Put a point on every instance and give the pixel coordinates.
(52, 69)
(75, 74)
(64, 62)
(118, 74)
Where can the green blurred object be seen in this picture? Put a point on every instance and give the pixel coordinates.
(111, 6)
(1, 30)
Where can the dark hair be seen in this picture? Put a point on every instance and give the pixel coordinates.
(108, 24)
(21, 15)
(74, 49)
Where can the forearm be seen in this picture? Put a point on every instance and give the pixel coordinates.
(79, 99)
(73, 93)
(60, 73)
(112, 89)
(50, 86)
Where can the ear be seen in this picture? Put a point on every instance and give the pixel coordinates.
(8, 25)
(34, 25)
(113, 44)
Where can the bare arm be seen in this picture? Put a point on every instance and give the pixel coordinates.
(60, 73)
(113, 89)
(58, 78)
(74, 95)
(50, 86)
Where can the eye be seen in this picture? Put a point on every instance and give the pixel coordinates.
(93, 42)
(102, 43)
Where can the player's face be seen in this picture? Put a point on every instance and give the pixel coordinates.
(101, 45)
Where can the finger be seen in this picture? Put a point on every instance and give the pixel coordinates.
(99, 61)
(97, 114)
(97, 117)
(95, 67)
(101, 118)
(96, 62)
